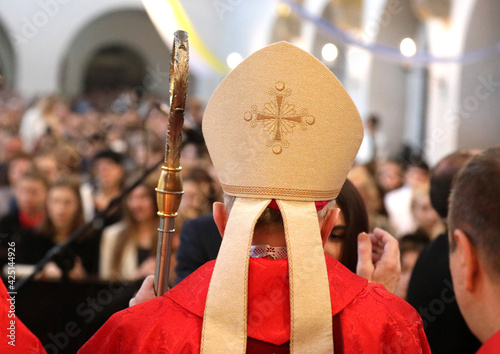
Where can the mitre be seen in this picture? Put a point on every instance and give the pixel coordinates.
(280, 127)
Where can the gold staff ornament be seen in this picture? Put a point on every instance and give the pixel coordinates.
(169, 191)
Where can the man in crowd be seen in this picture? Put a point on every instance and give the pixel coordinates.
(398, 201)
(431, 290)
(283, 134)
(31, 194)
(474, 231)
(18, 165)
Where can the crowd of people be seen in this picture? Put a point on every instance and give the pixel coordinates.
(64, 164)
(99, 146)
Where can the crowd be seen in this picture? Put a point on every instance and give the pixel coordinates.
(63, 163)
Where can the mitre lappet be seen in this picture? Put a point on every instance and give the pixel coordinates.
(279, 128)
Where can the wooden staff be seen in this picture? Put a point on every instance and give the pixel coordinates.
(169, 191)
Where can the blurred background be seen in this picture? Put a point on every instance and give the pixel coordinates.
(79, 121)
(426, 68)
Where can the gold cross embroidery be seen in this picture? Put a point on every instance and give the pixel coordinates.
(279, 118)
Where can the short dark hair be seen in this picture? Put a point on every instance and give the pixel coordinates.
(111, 155)
(35, 174)
(413, 242)
(442, 178)
(418, 162)
(22, 156)
(475, 207)
(374, 120)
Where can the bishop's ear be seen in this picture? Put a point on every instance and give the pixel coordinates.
(220, 217)
(467, 259)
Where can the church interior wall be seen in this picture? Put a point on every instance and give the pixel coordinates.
(388, 92)
(7, 58)
(479, 117)
(46, 44)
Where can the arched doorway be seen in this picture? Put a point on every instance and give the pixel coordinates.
(118, 48)
(114, 68)
(7, 59)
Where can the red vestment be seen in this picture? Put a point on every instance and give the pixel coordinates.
(16, 337)
(491, 346)
(366, 317)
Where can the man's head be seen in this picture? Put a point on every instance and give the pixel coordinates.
(442, 177)
(31, 192)
(474, 229)
(417, 172)
(389, 174)
(108, 169)
(11, 147)
(372, 123)
(269, 228)
(18, 165)
(48, 163)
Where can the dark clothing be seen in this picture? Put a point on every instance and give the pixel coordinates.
(4, 174)
(194, 135)
(11, 230)
(30, 246)
(143, 254)
(431, 293)
(34, 246)
(200, 243)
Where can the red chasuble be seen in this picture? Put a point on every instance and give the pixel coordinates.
(16, 338)
(491, 346)
(366, 317)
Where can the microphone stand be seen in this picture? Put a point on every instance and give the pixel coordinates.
(82, 230)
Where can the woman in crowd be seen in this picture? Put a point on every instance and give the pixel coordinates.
(64, 214)
(389, 175)
(427, 220)
(128, 248)
(97, 195)
(352, 220)
(109, 176)
(108, 171)
(200, 193)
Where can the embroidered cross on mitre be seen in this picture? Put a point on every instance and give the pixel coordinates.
(279, 118)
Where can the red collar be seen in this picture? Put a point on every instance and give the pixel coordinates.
(268, 294)
(28, 222)
(491, 346)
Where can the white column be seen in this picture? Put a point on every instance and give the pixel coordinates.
(443, 117)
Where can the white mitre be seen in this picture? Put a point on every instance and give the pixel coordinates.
(280, 126)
